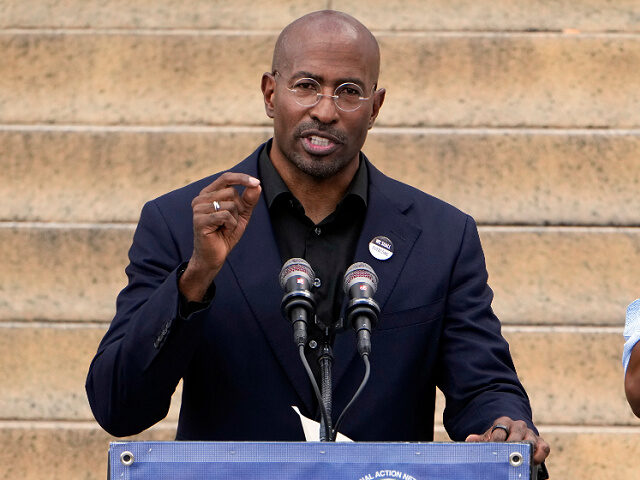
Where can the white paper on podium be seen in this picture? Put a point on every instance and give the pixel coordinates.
(312, 429)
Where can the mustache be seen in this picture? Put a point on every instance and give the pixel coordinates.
(320, 127)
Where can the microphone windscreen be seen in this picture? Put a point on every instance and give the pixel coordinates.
(360, 272)
(296, 266)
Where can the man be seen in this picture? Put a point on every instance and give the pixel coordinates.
(631, 356)
(203, 300)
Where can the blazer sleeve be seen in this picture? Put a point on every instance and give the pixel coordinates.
(477, 376)
(148, 346)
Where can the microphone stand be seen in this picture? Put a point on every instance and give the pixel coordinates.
(325, 361)
(360, 283)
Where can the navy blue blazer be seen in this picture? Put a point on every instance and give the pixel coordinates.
(240, 367)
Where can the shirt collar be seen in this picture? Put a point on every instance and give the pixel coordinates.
(273, 186)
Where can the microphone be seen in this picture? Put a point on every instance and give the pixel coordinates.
(361, 283)
(298, 304)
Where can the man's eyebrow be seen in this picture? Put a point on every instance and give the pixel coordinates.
(320, 78)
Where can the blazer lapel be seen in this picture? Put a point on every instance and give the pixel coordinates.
(255, 262)
(386, 216)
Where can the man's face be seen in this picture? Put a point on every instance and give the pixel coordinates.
(322, 140)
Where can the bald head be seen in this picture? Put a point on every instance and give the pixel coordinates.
(330, 27)
(321, 61)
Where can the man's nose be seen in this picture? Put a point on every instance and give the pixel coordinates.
(326, 110)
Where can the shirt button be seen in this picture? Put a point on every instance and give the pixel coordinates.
(318, 230)
(317, 282)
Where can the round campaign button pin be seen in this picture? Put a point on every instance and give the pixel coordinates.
(381, 248)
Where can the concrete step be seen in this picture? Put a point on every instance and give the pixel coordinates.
(597, 15)
(106, 175)
(524, 176)
(240, 14)
(588, 453)
(587, 15)
(573, 376)
(67, 450)
(44, 367)
(540, 275)
(556, 275)
(61, 450)
(510, 80)
(519, 176)
(62, 272)
(213, 77)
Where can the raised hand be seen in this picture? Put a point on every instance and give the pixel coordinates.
(220, 217)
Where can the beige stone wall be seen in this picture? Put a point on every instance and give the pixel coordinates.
(526, 114)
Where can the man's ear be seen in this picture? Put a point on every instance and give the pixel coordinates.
(268, 91)
(378, 100)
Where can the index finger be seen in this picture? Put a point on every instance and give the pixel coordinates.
(231, 178)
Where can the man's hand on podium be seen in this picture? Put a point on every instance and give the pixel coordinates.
(504, 429)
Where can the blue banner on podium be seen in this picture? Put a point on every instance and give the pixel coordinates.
(315, 461)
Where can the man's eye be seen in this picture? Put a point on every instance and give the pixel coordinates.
(305, 86)
(350, 91)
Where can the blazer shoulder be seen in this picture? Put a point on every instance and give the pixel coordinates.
(413, 201)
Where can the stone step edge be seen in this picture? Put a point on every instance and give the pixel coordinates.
(483, 228)
(87, 425)
(454, 33)
(511, 328)
(260, 129)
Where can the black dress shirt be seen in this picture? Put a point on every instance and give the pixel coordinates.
(328, 246)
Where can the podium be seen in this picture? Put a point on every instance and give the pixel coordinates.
(319, 460)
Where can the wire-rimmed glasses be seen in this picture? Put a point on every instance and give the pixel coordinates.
(348, 96)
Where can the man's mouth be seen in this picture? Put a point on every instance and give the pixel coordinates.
(317, 145)
(319, 141)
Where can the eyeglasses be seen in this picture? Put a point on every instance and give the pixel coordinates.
(348, 97)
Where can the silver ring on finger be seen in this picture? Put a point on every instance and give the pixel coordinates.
(499, 426)
(216, 206)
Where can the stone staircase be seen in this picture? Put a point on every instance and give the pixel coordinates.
(526, 116)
